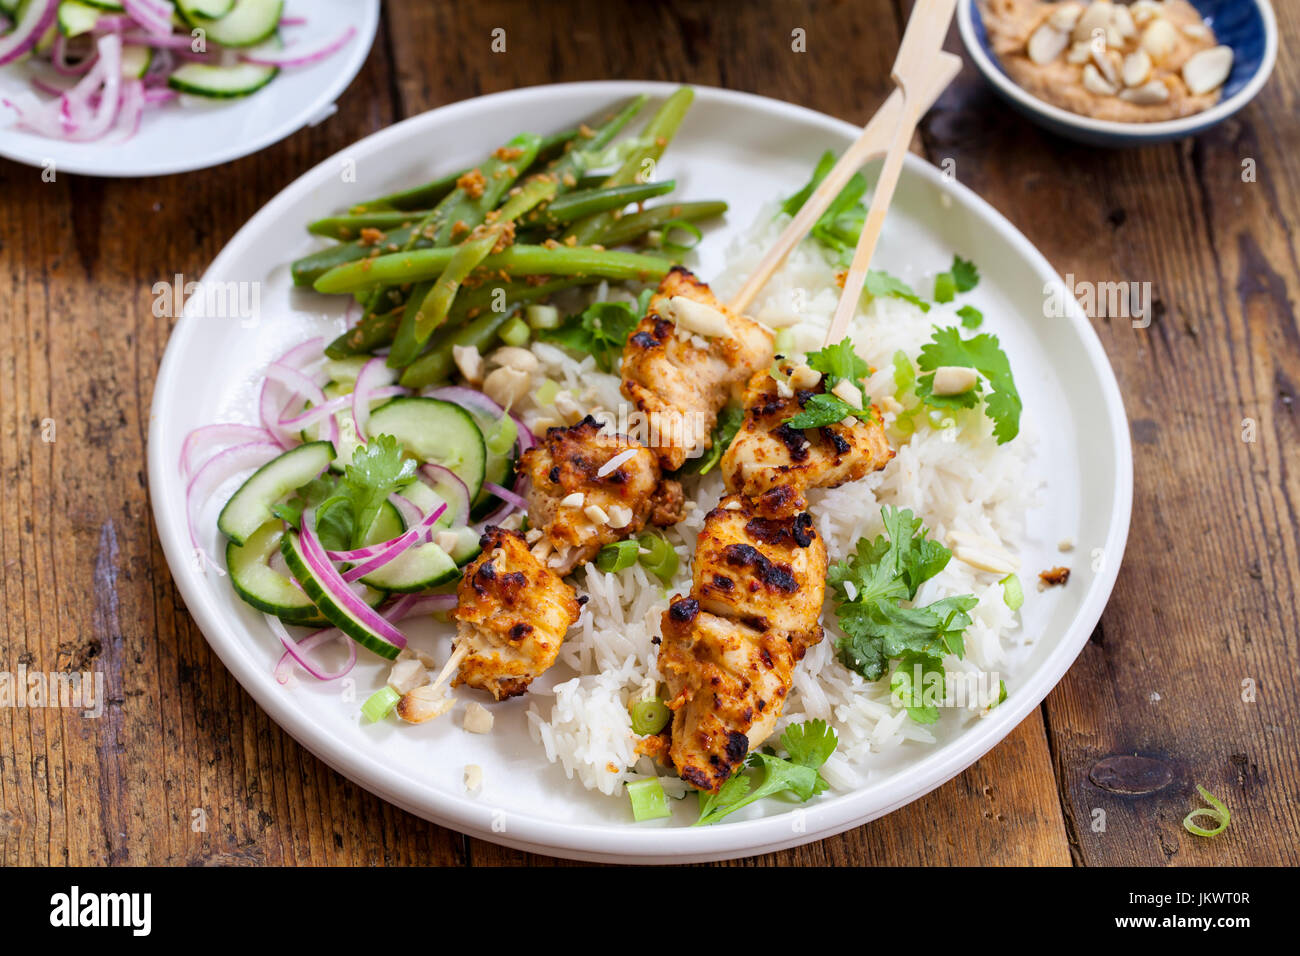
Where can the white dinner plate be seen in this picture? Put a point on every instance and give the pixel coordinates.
(747, 150)
(177, 137)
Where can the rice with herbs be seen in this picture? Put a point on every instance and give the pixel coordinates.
(953, 475)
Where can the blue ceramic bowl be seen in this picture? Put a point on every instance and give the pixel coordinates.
(1248, 26)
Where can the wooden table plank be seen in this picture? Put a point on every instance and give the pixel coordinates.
(1206, 596)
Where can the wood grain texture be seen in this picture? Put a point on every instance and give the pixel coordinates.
(1206, 596)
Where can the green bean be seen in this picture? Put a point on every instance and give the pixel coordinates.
(502, 298)
(570, 167)
(348, 227)
(657, 133)
(637, 224)
(436, 364)
(372, 332)
(421, 265)
(427, 195)
(424, 196)
(309, 268)
(467, 205)
(576, 205)
(426, 313)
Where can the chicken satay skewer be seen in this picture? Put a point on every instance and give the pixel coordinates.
(874, 141)
(920, 85)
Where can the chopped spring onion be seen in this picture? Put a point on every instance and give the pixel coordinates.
(502, 437)
(1216, 811)
(546, 392)
(660, 559)
(784, 342)
(516, 332)
(650, 716)
(663, 237)
(904, 423)
(543, 317)
(1012, 592)
(617, 556)
(904, 373)
(380, 703)
(649, 802)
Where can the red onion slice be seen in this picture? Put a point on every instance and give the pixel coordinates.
(290, 57)
(216, 470)
(221, 434)
(376, 556)
(31, 26)
(409, 605)
(295, 652)
(374, 374)
(154, 15)
(505, 494)
(451, 489)
(332, 582)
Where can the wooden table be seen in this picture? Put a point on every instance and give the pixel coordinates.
(1193, 665)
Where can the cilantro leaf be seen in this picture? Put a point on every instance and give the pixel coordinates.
(378, 468)
(880, 284)
(913, 686)
(971, 317)
(982, 353)
(964, 274)
(809, 744)
(822, 409)
(824, 165)
(729, 421)
(839, 363)
(871, 586)
(601, 329)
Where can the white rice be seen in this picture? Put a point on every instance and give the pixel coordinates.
(955, 478)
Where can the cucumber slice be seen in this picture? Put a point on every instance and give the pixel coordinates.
(345, 370)
(135, 61)
(468, 548)
(261, 585)
(339, 616)
(221, 82)
(76, 18)
(212, 9)
(500, 466)
(250, 507)
(266, 589)
(248, 23)
(415, 569)
(112, 6)
(436, 431)
(426, 499)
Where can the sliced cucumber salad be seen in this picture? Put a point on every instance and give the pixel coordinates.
(374, 502)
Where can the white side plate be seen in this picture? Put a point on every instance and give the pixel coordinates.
(178, 137)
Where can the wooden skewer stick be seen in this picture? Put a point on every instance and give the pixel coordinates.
(916, 77)
(874, 141)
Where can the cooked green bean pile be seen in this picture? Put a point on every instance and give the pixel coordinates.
(444, 264)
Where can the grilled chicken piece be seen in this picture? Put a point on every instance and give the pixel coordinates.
(513, 613)
(680, 378)
(570, 478)
(728, 651)
(763, 571)
(767, 454)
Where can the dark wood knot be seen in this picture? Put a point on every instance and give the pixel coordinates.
(1131, 773)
